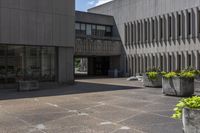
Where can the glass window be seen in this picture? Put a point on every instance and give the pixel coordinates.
(32, 62)
(89, 30)
(93, 30)
(108, 31)
(2, 64)
(47, 64)
(153, 33)
(77, 26)
(170, 26)
(145, 28)
(83, 29)
(15, 57)
(189, 23)
(161, 27)
(179, 25)
(101, 30)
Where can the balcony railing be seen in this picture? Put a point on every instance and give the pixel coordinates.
(93, 46)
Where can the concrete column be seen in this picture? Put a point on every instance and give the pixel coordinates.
(197, 64)
(193, 60)
(183, 61)
(144, 66)
(167, 62)
(65, 65)
(141, 64)
(186, 60)
(176, 61)
(135, 64)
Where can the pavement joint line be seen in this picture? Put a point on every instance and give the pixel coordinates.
(99, 104)
(51, 104)
(114, 124)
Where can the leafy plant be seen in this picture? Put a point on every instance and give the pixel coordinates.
(163, 73)
(187, 74)
(192, 103)
(170, 75)
(152, 75)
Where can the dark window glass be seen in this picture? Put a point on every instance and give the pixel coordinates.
(179, 62)
(189, 60)
(179, 25)
(161, 63)
(83, 29)
(161, 27)
(170, 26)
(145, 28)
(170, 63)
(189, 23)
(138, 32)
(153, 29)
(108, 31)
(94, 29)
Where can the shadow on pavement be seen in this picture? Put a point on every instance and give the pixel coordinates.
(56, 90)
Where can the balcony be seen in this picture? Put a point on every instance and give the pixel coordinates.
(97, 46)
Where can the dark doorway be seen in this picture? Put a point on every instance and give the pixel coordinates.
(101, 65)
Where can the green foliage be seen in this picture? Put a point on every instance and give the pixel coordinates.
(152, 75)
(77, 62)
(192, 103)
(170, 75)
(187, 74)
(163, 73)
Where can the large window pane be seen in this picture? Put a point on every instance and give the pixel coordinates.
(89, 30)
(48, 64)
(2, 64)
(83, 29)
(32, 63)
(101, 30)
(15, 64)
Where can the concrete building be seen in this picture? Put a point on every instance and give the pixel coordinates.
(157, 33)
(98, 40)
(37, 40)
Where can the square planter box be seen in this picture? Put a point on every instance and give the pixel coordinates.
(28, 85)
(191, 120)
(152, 83)
(178, 86)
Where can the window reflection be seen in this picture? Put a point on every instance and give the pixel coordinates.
(93, 29)
(27, 63)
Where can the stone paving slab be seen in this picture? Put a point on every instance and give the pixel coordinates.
(90, 106)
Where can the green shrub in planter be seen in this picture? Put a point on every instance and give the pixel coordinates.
(170, 75)
(152, 78)
(189, 110)
(178, 83)
(152, 75)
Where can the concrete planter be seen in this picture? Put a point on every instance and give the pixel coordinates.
(152, 83)
(191, 120)
(28, 85)
(178, 86)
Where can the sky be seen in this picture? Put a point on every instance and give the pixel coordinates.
(83, 5)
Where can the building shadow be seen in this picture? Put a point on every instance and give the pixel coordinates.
(59, 90)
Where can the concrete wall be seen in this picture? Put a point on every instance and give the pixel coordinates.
(65, 65)
(37, 22)
(41, 23)
(144, 54)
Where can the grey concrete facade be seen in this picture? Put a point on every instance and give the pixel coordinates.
(48, 23)
(93, 45)
(157, 33)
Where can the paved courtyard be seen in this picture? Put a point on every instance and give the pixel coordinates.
(99, 105)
